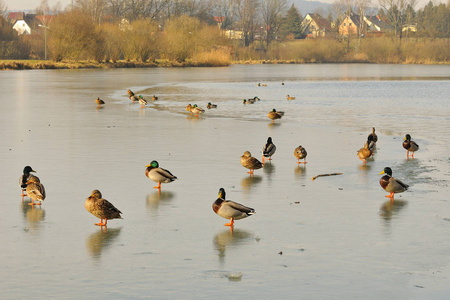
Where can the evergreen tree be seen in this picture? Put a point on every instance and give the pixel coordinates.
(292, 24)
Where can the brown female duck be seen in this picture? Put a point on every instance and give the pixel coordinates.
(101, 208)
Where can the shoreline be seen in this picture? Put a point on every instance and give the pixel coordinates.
(8, 65)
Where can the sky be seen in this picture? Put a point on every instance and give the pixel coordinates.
(19, 5)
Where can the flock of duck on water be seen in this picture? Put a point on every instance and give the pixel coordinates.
(105, 210)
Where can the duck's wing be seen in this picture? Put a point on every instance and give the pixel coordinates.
(165, 173)
(268, 149)
(239, 207)
(110, 211)
(36, 191)
(397, 183)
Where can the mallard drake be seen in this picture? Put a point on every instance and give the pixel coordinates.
(374, 135)
(255, 99)
(24, 179)
(410, 146)
(210, 105)
(142, 101)
(35, 190)
(99, 101)
(268, 150)
(391, 184)
(197, 110)
(251, 163)
(154, 98)
(290, 98)
(300, 153)
(367, 150)
(229, 209)
(273, 115)
(157, 174)
(101, 208)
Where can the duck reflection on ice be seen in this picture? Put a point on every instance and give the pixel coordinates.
(32, 214)
(97, 241)
(269, 168)
(153, 200)
(300, 171)
(390, 208)
(248, 182)
(232, 237)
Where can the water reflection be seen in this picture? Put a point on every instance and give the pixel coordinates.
(153, 200)
(300, 171)
(230, 237)
(99, 108)
(268, 168)
(97, 241)
(273, 125)
(248, 182)
(33, 215)
(391, 208)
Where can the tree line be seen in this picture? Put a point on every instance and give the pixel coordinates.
(180, 30)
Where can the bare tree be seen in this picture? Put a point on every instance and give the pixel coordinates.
(272, 12)
(362, 6)
(246, 12)
(3, 9)
(223, 9)
(95, 8)
(395, 9)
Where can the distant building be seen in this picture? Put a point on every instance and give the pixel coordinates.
(350, 25)
(22, 22)
(316, 26)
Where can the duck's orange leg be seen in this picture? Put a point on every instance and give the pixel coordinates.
(101, 222)
(263, 159)
(158, 186)
(251, 172)
(391, 195)
(231, 223)
(32, 203)
(23, 193)
(363, 160)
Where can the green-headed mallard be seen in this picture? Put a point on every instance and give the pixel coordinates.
(249, 162)
(24, 179)
(210, 105)
(99, 101)
(229, 209)
(290, 98)
(367, 151)
(35, 190)
(197, 110)
(300, 153)
(142, 101)
(101, 208)
(157, 174)
(268, 150)
(391, 184)
(374, 135)
(410, 146)
(273, 115)
(154, 98)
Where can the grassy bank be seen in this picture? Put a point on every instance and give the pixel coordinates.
(378, 51)
(42, 64)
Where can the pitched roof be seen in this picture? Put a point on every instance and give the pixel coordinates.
(321, 22)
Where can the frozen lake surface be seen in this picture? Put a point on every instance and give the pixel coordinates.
(333, 238)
